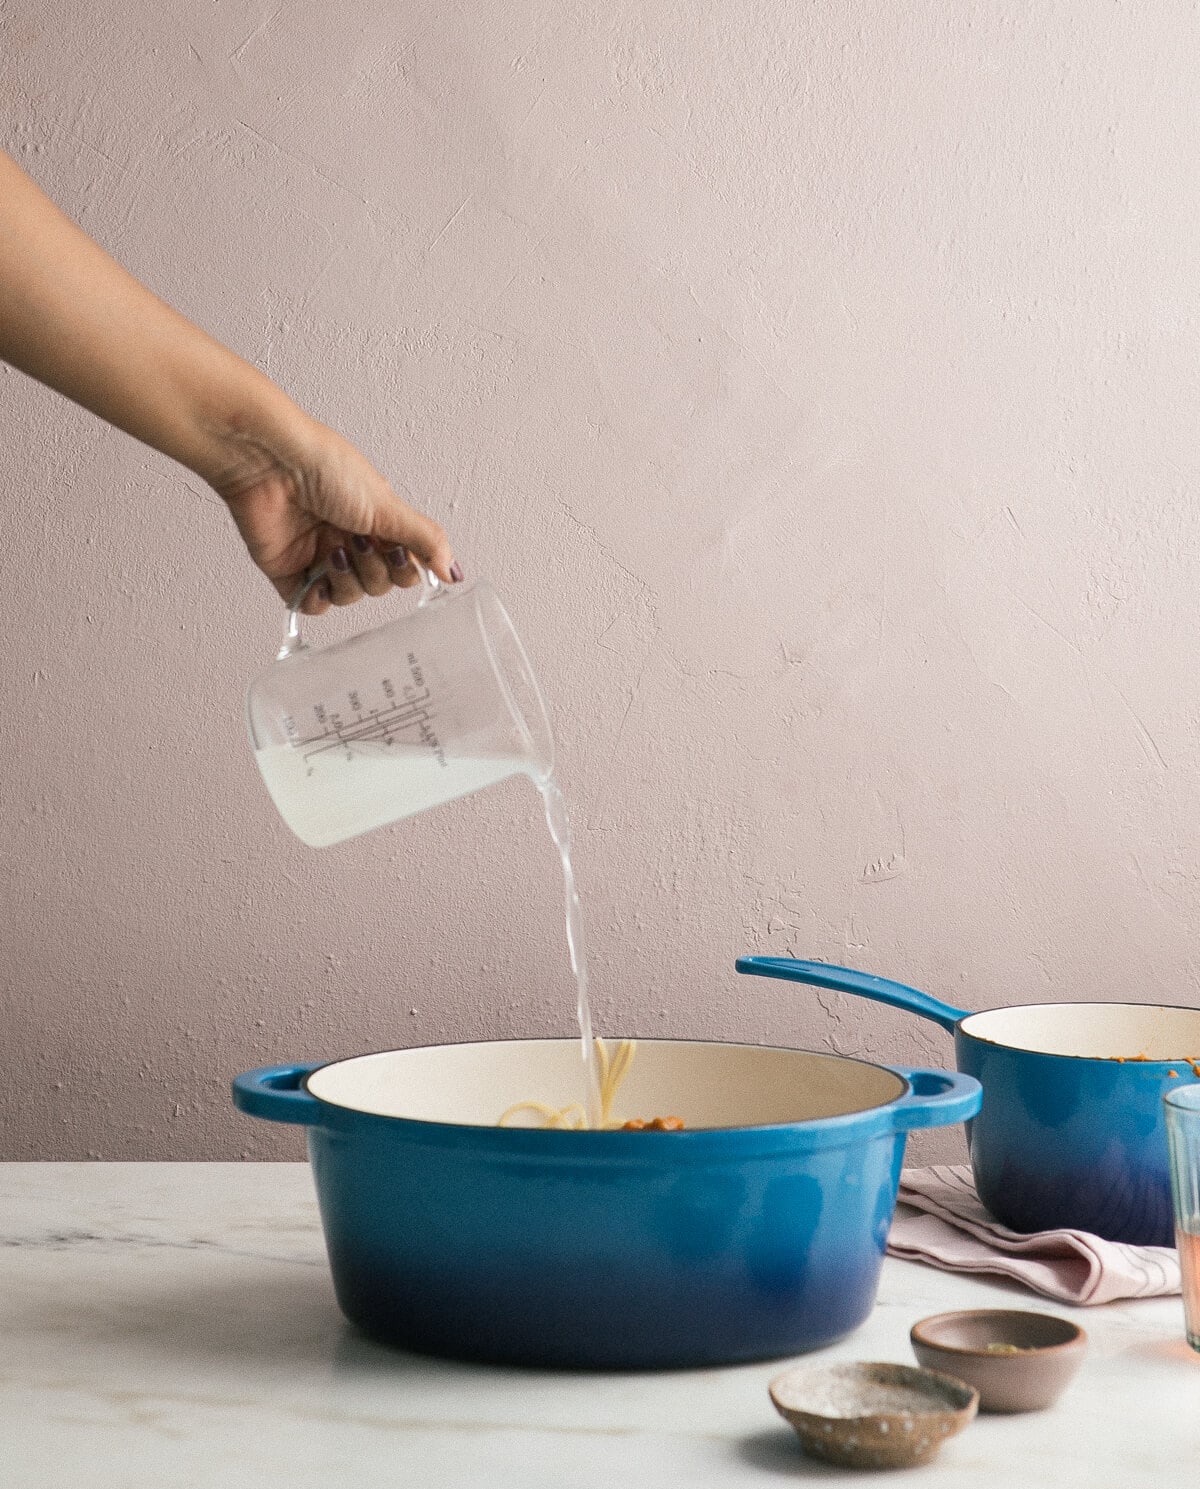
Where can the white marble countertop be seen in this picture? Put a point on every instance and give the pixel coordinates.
(173, 1326)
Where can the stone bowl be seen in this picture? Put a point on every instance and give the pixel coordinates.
(871, 1415)
(1016, 1361)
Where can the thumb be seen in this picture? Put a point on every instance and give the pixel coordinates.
(394, 523)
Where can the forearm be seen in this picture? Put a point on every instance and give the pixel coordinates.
(71, 317)
(299, 493)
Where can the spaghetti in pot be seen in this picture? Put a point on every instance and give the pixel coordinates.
(612, 1071)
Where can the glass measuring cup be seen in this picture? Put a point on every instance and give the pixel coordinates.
(419, 711)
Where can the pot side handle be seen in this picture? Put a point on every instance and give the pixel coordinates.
(273, 1093)
(862, 984)
(938, 1098)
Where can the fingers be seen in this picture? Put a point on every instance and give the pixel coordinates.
(395, 523)
(370, 566)
(402, 572)
(357, 567)
(433, 548)
(353, 569)
(344, 587)
(316, 601)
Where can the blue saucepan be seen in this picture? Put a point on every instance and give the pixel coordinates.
(1071, 1133)
(759, 1231)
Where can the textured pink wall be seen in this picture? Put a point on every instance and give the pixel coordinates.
(817, 383)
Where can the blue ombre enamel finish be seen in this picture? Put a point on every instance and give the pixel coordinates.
(625, 1250)
(1061, 1140)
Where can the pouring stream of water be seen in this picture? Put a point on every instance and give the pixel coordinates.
(559, 824)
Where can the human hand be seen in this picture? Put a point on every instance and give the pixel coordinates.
(301, 495)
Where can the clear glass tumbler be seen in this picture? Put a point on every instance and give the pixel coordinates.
(1183, 1137)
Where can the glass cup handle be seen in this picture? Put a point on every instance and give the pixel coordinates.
(293, 642)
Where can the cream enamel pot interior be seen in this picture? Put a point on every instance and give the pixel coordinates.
(757, 1232)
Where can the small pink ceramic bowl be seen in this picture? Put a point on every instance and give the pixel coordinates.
(1016, 1361)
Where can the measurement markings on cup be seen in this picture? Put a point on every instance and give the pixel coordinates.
(375, 725)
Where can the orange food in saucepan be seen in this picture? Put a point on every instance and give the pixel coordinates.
(1187, 1060)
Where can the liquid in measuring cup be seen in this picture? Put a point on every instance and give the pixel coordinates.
(343, 761)
(345, 791)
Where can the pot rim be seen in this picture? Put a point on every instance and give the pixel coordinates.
(1159, 1067)
(927, 1097)
(637, 1142)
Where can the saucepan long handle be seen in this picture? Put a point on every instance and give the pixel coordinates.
(862, 984)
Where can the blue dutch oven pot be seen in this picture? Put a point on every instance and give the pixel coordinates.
(757, 1232)
(1071, 1133)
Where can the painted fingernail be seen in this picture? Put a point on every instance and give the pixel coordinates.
(324, 591)
(339, 559)
(398, 557)
(361, 544)
(456, 572)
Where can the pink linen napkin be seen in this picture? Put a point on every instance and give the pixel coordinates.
(940, 1220)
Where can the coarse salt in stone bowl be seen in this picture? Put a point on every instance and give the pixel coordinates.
(873, 1415)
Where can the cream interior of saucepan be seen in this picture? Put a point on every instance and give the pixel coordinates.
(1098, 1031)
(708, 1085)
